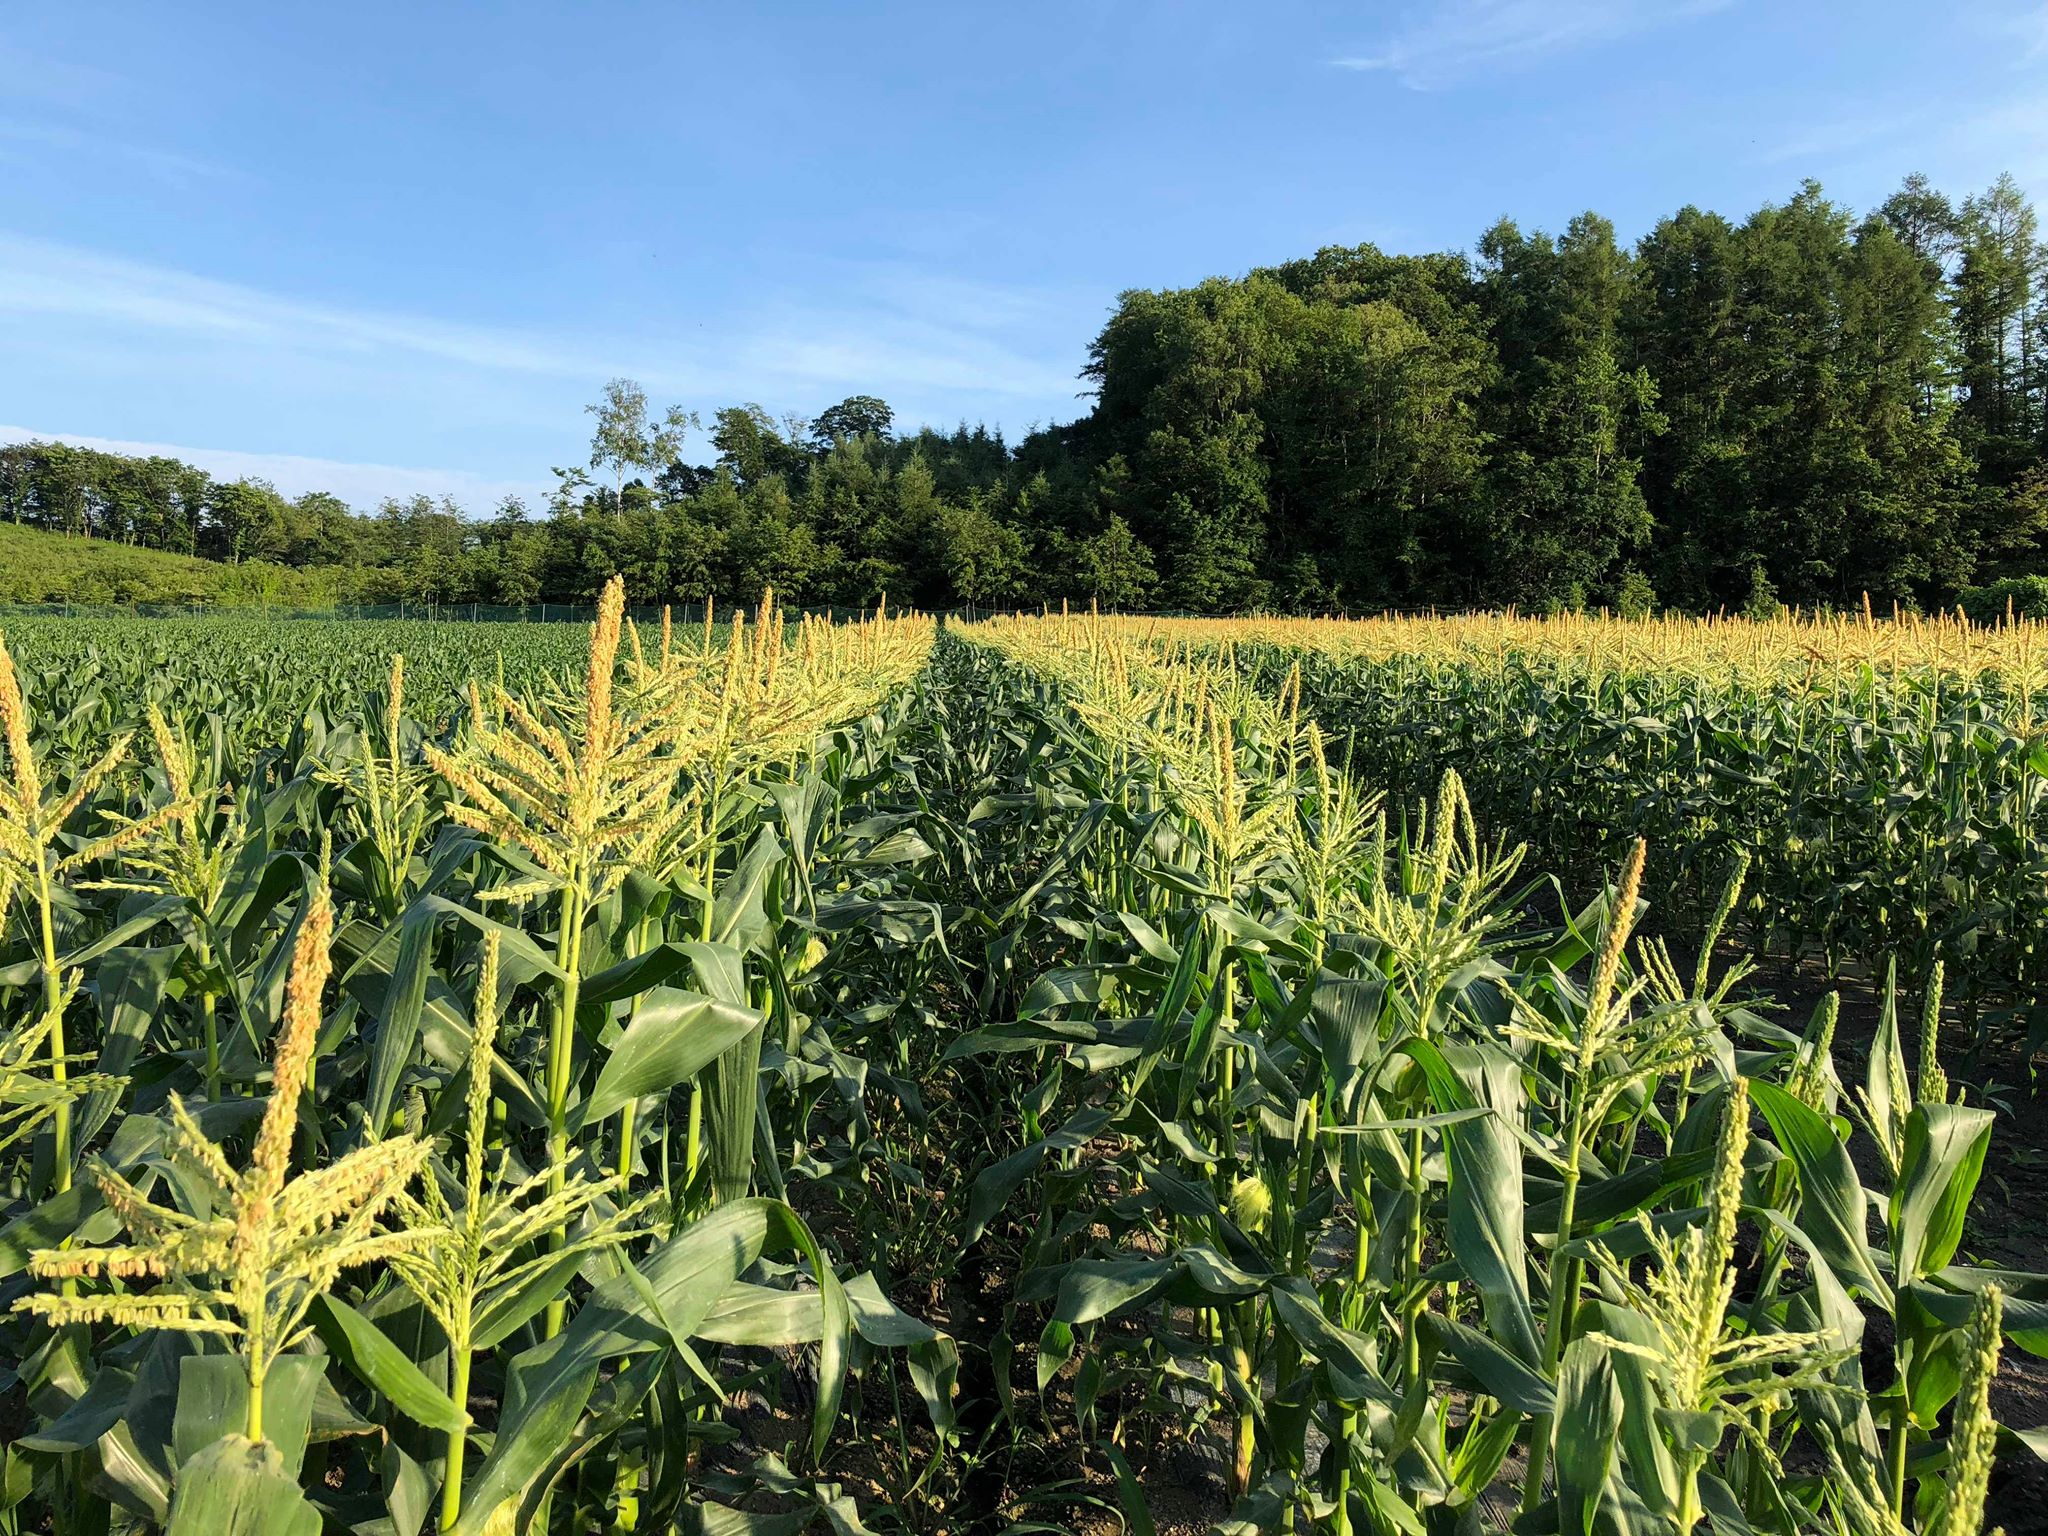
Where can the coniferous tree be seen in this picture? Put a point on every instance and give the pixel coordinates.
(1681, 326)
(1997, 322)
(1563, 415)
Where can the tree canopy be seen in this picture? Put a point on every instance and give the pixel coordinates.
(1802, 407)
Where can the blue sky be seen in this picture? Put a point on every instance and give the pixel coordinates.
(387, 247)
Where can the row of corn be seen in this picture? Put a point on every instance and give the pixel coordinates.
(391, 1145)
(553, 1095)
(1887, 780)
(1457, 1219)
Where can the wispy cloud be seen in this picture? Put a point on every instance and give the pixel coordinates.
(2009, 134)
(2025, 30)
(88, 120)
(1957, 143)
(192, 359)
(1443, 43)
(923, 335)
(361, 485)
(26, 76)
(21, 140)
(42, 278)
(895, 331)
(1828, 142)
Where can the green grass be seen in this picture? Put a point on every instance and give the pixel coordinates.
(39, 567)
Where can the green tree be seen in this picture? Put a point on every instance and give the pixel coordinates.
(766, 544)
(1682, 329)
(917, 515)
(323, 531)
(855, 416)
(1180, 378)
(847, 501)
(1376, 446)
(518, 555)
(626, 437)
(1925, 222)
(752, 446)
(1564, 414)
(245, 520)
(1997, 321)
(1910, 532)
(1114, 568)
(983, 558)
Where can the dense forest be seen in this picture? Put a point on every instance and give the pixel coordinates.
(1802, 407)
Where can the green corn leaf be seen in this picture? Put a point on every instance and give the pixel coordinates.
(1588, 1429)
(1945, 1146)
(1097, 1288)
(739, 915)
(1833, 1206)
(1002, 1178)
(666, 1300)
(1130, 1496)
(239, 1487)
(366, 1350)
(673, 1036)
(1651, 1474)
(1487, 1204)
(88, 1418)
(1499, 1374)
(213, 1401)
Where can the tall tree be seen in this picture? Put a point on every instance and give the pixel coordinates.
(245, 520)
(626, 437)
(1180, 377)
(1912, 530)
(847, 502)
(984, 559)
(1681, 327)
(1565, 416)
(1925, 222)
(752, 445)
(1114, 568)
(855, 416)
(1997, 323)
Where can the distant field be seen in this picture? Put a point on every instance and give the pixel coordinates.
(260, 676)
(38, 567)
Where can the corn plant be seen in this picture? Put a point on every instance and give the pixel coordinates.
(1330, 1066)
(1522, 1220)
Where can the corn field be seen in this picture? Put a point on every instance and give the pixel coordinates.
(1887, 782)
(1051, 1074)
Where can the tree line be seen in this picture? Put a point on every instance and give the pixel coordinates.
(1802, 407)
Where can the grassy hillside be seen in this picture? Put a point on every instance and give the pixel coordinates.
(37, 567)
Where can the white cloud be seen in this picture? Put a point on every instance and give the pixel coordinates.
(1444, 43)
(28, 76)
(83, 325)
(1827, 142)
(825, 350)
(2009, 135)
(41, 278)
(24, 140)
(92, 122)
(1961, 146)
(360, 485)
(901, 331)
(2025, 30)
